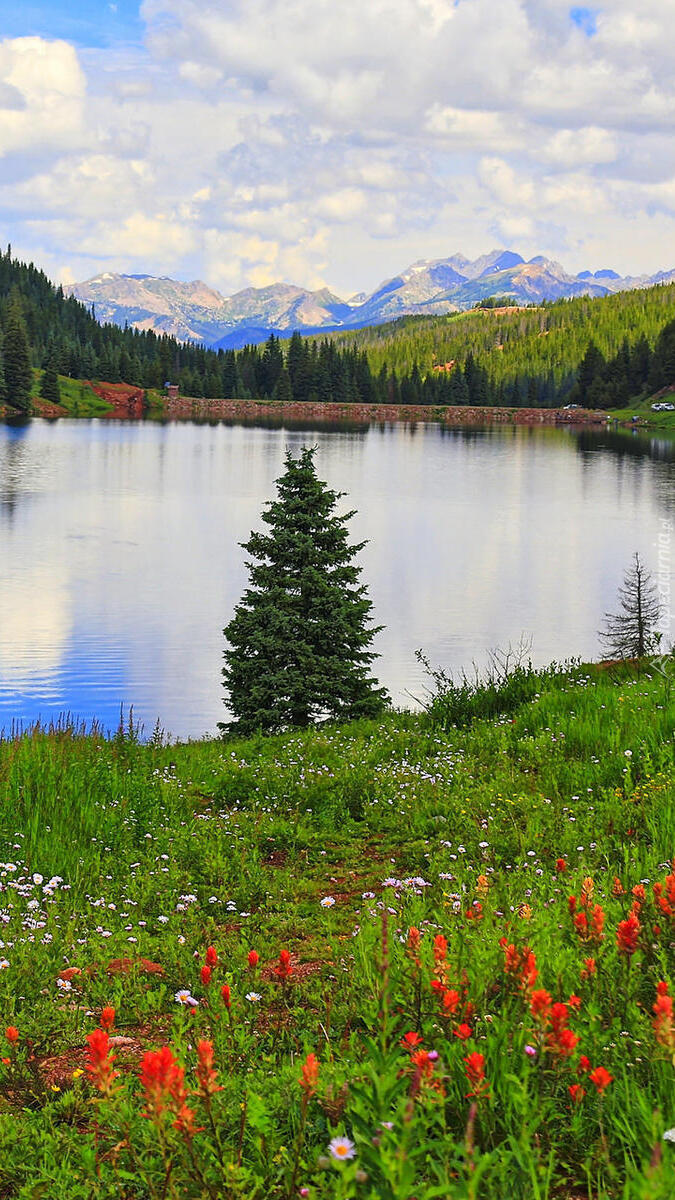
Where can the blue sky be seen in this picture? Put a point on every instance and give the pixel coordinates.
(84, 22)
(333, 144)
(586, 19)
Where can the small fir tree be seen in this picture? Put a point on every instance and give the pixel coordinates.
(632, 633)
(299, 642)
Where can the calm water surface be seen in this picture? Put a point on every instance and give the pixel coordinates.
(120, 562)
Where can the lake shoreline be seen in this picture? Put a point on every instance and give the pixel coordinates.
(122, 402)
(125, 403)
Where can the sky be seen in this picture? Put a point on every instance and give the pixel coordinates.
(333, 144)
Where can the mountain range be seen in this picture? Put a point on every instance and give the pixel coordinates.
(195, 312)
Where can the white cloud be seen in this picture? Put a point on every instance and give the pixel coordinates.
(317, 142)
(574, 147)
(41, 102)
(508, 186)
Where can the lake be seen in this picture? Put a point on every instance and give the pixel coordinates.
(121, 564)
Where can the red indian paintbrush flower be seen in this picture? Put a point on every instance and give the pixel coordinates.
(628, 934)
(601, 1079)
(12, 1034)
(253, 959)
(581, 925)
(99, 1061)
(540, 1004)
(450, 1001)
(205, 975)
(440, 956)
(561, 1041)
(163, 1081)
(577, 1092)
(560, 865)
(410, 1040)
(522, 963)
(184, 1117)
(309, 1077)
(598, 923)
(211, 957)
(666, 902)
(107, 1017)
(283, 969)
(588, 969)
(463, 1032)
(226, 995)
(588, 930)
(424, 1062)
(207, 1076)
(159, 1077)
(474, 1066)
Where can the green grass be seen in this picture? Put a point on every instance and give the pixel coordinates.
(158, 852)
(77, 398)
(643, 410)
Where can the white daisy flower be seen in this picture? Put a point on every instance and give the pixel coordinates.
(341, 1148)
(184, 996)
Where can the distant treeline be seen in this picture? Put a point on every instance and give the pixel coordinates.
(330, 371)
(599, 353)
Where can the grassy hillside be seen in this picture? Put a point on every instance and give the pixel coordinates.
(478, 1035)
(78, 399)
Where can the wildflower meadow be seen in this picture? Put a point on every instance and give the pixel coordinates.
(397, 959)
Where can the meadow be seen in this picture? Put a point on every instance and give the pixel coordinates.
(420, 957)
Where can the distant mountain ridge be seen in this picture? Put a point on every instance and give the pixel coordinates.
(196, 312)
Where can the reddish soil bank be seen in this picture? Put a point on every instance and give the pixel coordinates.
(185, 407)
(126, 401)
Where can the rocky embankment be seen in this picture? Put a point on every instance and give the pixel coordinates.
(185, 407)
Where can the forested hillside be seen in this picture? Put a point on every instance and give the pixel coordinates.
(532, 355)
(42, 328)
(600, 353)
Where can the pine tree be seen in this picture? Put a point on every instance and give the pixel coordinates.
(49, 384)
(283, 390)
(590, 372)
(299, 640)
(18, 375)
(632, 633)
(3, 385)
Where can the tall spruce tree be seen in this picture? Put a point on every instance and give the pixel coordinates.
(49, 384)
(632, 633)
(299, 642)
(3, 385)
(18, 376)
